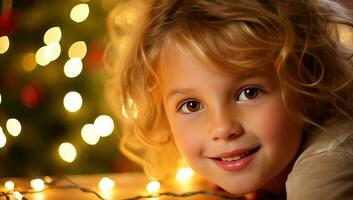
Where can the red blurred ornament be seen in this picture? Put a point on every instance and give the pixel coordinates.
(31, 96)
(7, 23)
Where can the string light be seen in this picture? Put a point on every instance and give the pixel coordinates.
(4, 44)
(89, 134)
(13, 127)
(106, 184)
(52, 35)
(67, 152)
(104, 125)
(37, 184)
(184, 174)
(29, 62)
(9, 185)
(153, 186)
(79, 13)
(2, 138)
(72, 101)
(78, 49)
(18, 195)
(73, 67)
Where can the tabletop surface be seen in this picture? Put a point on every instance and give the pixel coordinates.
(128, 186)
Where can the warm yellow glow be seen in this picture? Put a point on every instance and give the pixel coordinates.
(9, 185)
(53, 35)
(18, 195)
(29, 62)
(13, 127)
(153, 186)
(134, 109)
(89, 134)
(104, 125)
(79, 13)
(52, 51)
(106, 184)
(2, 138)
(73, 67)
(41, 59)
(0, 99)
(184, 174)
(67, 152)
(72, 101)
(78, 49)
(4, 44)
(37, 184)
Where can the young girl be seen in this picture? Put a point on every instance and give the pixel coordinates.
(256, 95)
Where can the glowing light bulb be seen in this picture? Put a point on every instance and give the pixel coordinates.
(41, 58)
(78, 49)
(4, 44)
(13, 127)
(52, 35)
(73, 67)
(153, 186)
(79, 13)
(104, 125)
(37, 184)
(72, 101)
(29, 62)
(67, 152)
(184, 174)
(89, 134)
(2, 138)
(106, 184)
(9, 185)
(18, 195)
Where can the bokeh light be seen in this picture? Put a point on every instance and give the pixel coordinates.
(73, 101)
(78, 49)
(9, 185)
(106, 184)
(52, 51)
(184, 174)
(4, 44)
(2, 138)
(79, 13)
(52, 35)
(13, 126)
(67, 152)
(73, 67)
(41, 59)
(89, 134)
(29, 62)
(153, 186)
(104, 125)
(37, 184)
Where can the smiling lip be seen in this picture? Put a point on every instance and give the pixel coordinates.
(246, 156)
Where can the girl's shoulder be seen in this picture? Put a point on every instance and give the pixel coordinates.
(324, 169)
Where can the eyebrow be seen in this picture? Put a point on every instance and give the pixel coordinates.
(176, 91)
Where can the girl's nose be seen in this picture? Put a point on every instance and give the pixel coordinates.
(225, 126)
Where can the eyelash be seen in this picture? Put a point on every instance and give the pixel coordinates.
(259, 93)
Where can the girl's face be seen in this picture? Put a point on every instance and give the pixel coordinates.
(232, 129)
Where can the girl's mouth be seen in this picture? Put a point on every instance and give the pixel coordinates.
(236, 160)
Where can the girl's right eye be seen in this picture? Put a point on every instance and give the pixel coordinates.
(190, 106)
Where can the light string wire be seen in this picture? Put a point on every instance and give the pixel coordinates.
(72, 185)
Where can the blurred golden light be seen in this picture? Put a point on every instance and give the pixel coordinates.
(41, 59)
(9, 185)
(52, 51)
(4, 44)
(78, 49)
(52, 35)
(79, 13)
(29, 62)
(17, 195)
(73, 67)
(72, 101)
(37, 184)
(184, 174)
(104, 125)
(2, 138)
(153, 186)
(0, 99)
(13, 127)
(106, 184)
(89, 134)
(67, 152)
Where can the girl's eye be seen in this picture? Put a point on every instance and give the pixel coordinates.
(191, 107)
(249, 93)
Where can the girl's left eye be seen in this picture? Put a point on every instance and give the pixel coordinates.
(249, 93)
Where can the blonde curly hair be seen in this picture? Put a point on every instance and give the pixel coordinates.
(300, 38)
